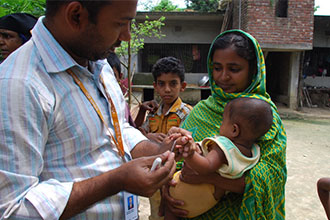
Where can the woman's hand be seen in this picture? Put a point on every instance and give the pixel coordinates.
(171, 203)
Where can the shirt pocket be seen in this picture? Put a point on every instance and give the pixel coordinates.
(173, 121)
(154, 124)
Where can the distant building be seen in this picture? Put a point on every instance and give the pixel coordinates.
(285, 30)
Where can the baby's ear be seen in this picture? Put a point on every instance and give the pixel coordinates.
(183, 86)
(235, 130)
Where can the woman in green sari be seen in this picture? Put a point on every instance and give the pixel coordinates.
(237, 69)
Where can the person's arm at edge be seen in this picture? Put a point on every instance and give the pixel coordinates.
(323, 189)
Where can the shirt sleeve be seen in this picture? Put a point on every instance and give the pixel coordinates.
(132, 136)
(25, 120)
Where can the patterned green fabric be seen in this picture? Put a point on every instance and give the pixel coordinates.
(264, 195)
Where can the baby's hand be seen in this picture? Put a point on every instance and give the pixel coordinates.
(189, 148)
(180, 142)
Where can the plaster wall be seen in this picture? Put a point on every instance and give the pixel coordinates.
(182, 32)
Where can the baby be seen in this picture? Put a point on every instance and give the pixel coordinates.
(230, 154)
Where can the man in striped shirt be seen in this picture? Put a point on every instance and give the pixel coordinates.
(62, 120)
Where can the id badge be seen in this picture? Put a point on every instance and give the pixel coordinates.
(131, 206)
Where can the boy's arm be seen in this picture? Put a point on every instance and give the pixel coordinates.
(207, 164)
(323, 189)
(151, 106)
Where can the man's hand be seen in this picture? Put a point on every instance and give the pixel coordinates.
(139, 180)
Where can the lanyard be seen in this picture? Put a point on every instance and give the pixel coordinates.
(114, 115)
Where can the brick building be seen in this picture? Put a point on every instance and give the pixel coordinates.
(284, 29)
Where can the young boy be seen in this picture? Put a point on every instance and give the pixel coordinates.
(168, 73)
(232, 153)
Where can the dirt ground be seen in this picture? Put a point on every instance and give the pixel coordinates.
(308, 159)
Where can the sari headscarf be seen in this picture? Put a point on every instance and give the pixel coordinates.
(264, 196)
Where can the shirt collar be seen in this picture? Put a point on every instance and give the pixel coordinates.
(53, 55)
(174, 108)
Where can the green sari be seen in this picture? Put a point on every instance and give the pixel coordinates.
(264, 196)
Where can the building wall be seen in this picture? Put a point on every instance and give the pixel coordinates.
(185, 31)
(294, 32)
(186, 28)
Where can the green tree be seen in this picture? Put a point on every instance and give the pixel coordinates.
(316, 7)
(34, 7)
(165, 5)
(139, 31)
(202, 5)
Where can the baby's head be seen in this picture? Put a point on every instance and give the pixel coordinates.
(246, 118)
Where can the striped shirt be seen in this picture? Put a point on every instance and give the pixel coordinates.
(51, 136)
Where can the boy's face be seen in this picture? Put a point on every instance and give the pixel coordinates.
(168, 86)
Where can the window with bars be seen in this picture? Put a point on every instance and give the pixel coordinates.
(193, 56)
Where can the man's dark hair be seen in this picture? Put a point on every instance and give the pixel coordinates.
(168, 65)
(93, 7)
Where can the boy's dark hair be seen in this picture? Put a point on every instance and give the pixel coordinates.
(168, 65)
(255, 114)
(93, 7)
(240, 43)
(114, 61)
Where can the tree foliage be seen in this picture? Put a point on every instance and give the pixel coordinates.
(202, 5)
(139, 31)
(34, 7)
(165, 5)
(149, 28)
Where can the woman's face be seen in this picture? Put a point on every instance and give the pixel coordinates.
(230, 71)
(9, 42)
